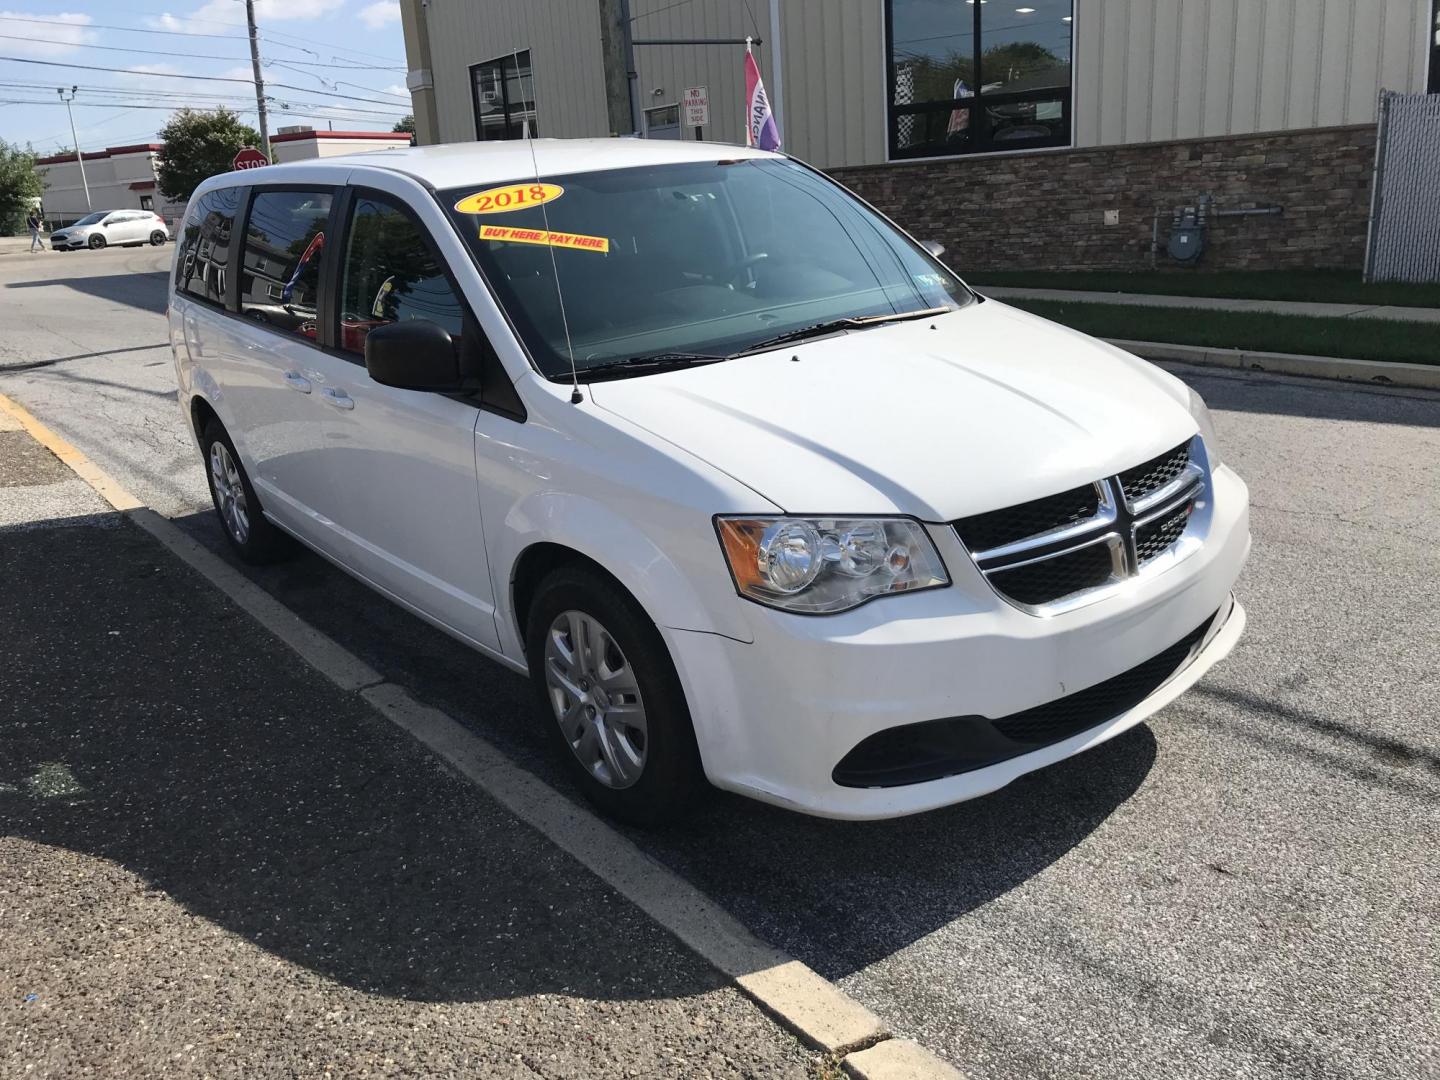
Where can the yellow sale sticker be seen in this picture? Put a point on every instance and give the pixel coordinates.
(574, 241)
(502, 200)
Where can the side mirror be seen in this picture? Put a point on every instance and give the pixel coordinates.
(934, 247)
(412, 355)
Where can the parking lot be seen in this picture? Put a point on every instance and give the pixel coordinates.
(1244, 886)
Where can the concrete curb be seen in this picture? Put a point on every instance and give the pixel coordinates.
(812, 1008)
(1373, 372)
(898, 1059)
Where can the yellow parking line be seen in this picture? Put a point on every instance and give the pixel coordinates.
(79, 464)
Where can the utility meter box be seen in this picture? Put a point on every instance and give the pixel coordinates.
(1187, 236)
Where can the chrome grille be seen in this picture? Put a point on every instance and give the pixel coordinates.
(1049, 554)
(1029, 519)
(1155, 473)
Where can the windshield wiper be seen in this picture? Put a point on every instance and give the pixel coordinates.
(649, 364)
(850, 322)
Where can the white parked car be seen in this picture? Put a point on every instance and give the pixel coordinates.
(751, 485)
(104, 228)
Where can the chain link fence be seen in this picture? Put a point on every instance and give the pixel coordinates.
(1404, 240)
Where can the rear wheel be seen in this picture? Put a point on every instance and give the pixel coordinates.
(157, 238)
(614, 705)
(253, 537)
(96, 242)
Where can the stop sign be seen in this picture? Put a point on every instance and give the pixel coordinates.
(249, 158)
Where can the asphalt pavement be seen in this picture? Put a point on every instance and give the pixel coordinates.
(1245, 886)
(213, 862)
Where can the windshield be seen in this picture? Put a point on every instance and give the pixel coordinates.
(92, 219)
(697, 257)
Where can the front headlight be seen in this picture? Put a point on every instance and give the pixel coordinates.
(1201, 412)
(818, 566)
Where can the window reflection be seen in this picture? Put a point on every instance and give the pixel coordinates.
(969, 77)
(504, 97)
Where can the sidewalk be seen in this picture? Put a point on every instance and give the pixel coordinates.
(19, 245)
(213, 861)
(1279, 307)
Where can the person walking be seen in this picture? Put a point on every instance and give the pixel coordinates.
(36, 224)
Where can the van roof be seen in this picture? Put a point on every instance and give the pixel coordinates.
(461, 164)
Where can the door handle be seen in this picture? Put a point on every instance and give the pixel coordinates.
(296, 381)
(339, 398)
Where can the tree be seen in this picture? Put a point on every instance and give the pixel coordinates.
(406, 124)
(198, 145)
(19, 186)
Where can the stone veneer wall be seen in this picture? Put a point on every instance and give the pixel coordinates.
(1045, 210)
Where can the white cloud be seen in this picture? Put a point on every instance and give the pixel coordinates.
(380, 14)
(398, 89)
(57, 36)
(207, 18)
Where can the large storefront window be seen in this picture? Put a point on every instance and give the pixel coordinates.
(967, 77)
(1434, 86)
(504, 92)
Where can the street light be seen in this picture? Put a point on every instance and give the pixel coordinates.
(74, 138)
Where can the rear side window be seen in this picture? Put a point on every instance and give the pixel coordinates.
(284, 252)
(204, 248)
(390, 276)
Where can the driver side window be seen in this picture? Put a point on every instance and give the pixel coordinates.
(390, 275)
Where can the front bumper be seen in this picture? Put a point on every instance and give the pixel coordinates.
(774, 717)
(69, 243)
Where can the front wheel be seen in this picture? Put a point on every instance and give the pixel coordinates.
(157, 238)
(613, 702)
(96, 242)
(253, 537)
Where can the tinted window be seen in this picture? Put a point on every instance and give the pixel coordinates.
(710, 257)
(205, 245)
(968, 77)
(504, 91)
(390, 276)
(284, 250)
(1435, 50)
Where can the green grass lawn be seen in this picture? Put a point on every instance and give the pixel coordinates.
(1351, 339)
(1318, 286)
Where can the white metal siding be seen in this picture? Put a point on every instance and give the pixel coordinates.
(666, 70)
(1148, 70)
(1145, 70)
(563, 37)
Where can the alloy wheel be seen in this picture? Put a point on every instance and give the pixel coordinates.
(229, 492)
(596, 699)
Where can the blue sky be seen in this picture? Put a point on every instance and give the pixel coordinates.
(337, 63)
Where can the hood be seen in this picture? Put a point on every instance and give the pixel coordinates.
(938, 418)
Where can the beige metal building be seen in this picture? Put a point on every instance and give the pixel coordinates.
(953, 92)
(861, 82)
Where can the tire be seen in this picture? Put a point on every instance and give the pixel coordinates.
(669, 777)
(96, 242)
(157, 238)
(253, 538)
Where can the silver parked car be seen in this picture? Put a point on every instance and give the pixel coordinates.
(127, 228)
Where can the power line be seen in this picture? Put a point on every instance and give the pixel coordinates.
(273, 33)
(174, 75)
(120, 48)
(335, 112)
(106, 26)
(188, 56)
(179, 98)
(192, 33)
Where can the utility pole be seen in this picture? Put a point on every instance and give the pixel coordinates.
(619, 63)
(259, 79)
(73, 138)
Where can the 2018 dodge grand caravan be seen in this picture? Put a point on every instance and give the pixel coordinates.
(754, 487)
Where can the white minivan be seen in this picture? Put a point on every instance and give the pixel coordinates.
(755, 489)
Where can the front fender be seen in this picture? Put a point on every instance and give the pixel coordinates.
(674, 567)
